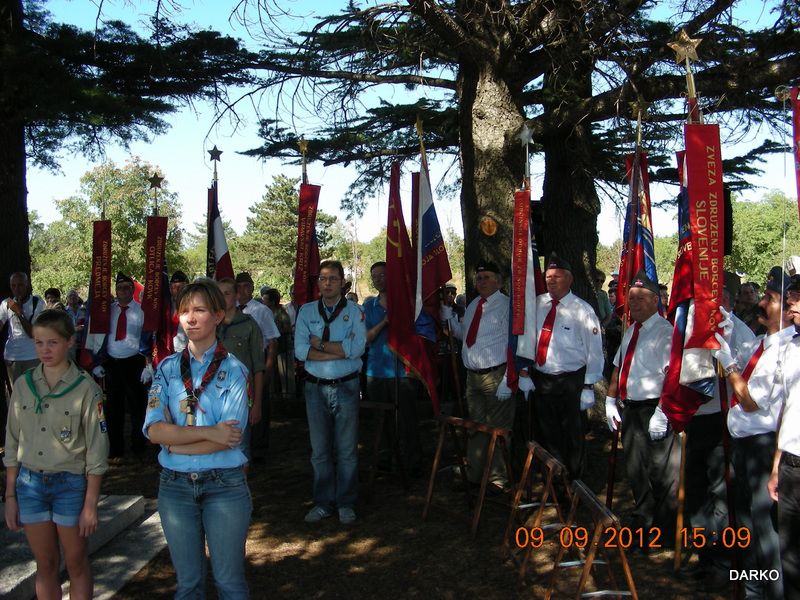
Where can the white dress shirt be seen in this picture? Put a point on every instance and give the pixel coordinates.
(576, 340)
(762, 387)
(19, 345)
(129, 346)
(789, 432)
(263, 316)
(650, 358)
(491, 343)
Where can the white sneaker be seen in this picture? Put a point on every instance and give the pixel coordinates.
(347, 515)
(316, 514)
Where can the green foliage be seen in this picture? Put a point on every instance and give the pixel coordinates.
(267, 247)
(61, 251)
(758, 235)
(666, 248)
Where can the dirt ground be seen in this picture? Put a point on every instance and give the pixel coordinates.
(390, 552)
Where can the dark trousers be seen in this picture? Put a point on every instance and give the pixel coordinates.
(706, 496)
(789, 528)
(558, 425)
(124, 390)
(381, 389)
(755, 509)
(651, 467)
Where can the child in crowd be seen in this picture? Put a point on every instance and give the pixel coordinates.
(56, 454)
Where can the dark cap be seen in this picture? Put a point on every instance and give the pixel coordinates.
(556, 262)
(122, 278)
(778, 281)
(244, 277)
(264, 289)
(487, 266)
(641, 280)
(179, 276)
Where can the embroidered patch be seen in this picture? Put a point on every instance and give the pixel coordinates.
(66, 434)
(100, 409)
(103, 426)
(221, 376)
(153, 402)
(155, 389)
(346, 318)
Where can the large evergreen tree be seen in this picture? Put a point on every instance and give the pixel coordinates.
(476, 71)
(63, 89)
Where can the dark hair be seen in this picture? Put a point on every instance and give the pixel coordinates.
(332, 264)
(52, 292)
(57, 320)
(380, 263)
(207, 289)
(663, 286)
(274, 296)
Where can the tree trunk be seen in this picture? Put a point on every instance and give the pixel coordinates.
(14, 251)
(492, 165)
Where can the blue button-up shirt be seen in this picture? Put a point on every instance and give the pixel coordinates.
(381, 360)
(347, 328)
(224, 398)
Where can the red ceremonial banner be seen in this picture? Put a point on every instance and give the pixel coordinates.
(796, 122)
(155, 250)
(519, 259)
(100, 315)
(307, 262)
(707, 223)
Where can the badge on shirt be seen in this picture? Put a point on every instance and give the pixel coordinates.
(153, 402)
(346, 318)
(594, 331)
(99, 409)
(221, 376)
(66, 434)
(103, 426)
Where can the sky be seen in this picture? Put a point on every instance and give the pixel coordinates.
(182, 158)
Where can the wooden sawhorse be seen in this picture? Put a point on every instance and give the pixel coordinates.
(497, 437)
(604, 528)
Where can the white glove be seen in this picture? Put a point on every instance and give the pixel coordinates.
(726, 325)
(587, 399)
(503, 391)
(147, 374)
(612, 413)
(525, 385)
(99, 372)
(445, 312)
(659, 425)
(723, 355)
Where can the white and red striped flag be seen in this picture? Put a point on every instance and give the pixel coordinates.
(218, 259)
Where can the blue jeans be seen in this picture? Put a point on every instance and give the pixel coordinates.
(56, 497)
(332, 412)
(212, 506)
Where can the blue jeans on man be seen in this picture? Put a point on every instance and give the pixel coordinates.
(332, 412)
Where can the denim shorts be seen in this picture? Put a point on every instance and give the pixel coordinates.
(56, 497)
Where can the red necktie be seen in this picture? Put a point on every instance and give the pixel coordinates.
(122, 324)
(546, 334)
(475, 324)
(748, 370)
(626, 363)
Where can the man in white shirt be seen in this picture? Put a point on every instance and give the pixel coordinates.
(484, 331)
(122, 362)
(640, 366)
(569, 361)
(756, 403)
(19, 312)
(784, 482)
(266, 322)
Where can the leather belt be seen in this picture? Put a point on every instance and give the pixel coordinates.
(318, 381)
(640, 403)
(791, 459)
(487, 370)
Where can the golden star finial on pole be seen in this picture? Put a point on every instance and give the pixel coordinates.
(685, 47)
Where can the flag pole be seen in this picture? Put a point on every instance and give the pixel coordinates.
(155, 186)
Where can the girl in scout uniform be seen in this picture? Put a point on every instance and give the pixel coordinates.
(56, 454)
(196, 410)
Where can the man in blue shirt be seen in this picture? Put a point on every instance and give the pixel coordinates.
(330, 337)
(382, 366)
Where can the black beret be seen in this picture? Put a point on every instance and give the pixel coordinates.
(179, 276)
(122, 278)
(556, 262)
(487, 266)
(641, 280)
(778, 281)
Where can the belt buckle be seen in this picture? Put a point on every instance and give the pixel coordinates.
(194, 476)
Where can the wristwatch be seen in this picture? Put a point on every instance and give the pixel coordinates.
(321, 346)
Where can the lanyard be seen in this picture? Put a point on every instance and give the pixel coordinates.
(192, 400)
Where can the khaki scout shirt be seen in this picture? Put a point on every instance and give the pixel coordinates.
(242, 338)
(69, 434)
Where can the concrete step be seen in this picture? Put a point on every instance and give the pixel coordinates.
(18, 569)
(119, 561)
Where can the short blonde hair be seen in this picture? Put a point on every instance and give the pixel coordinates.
(207, 289)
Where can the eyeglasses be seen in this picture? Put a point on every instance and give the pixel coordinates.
(332, 279)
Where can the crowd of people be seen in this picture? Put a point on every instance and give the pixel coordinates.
(200, 390)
